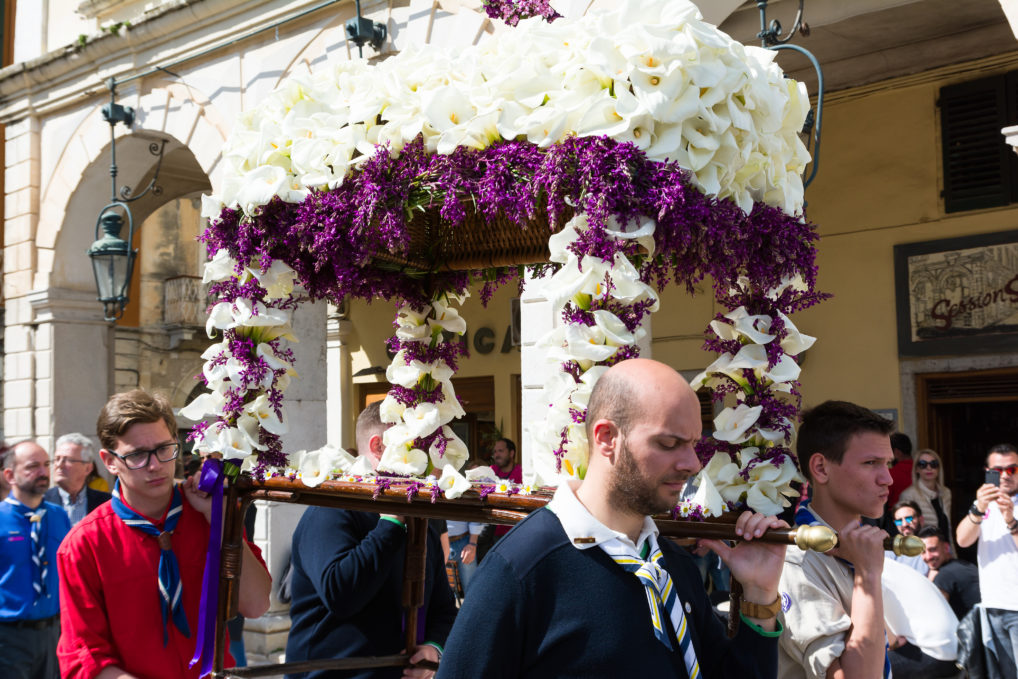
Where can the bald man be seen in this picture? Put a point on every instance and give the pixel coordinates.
(30, 533)
(570, 591)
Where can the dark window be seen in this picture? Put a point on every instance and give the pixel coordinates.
(980, 168)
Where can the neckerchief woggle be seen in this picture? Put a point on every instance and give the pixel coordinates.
(40, 564)
(804, 516)
(210, 481)
(170, 588)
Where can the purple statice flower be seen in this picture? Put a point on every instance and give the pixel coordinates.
(485, 490)
(412, 489)
(513, 11)
(382, 484)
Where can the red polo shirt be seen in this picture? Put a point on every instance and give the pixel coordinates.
(109, 597)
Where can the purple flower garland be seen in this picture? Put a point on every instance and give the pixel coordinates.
(513, 11)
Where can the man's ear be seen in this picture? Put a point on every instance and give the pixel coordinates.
(9, 475)
(109, 461)
(605, 436)
(819, 468)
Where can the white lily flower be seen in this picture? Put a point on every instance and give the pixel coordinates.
(753, 328)
(220, 268)
(447, 318)
(785, 370)
(452, 483)
(795, 342)
(390, 411)
(262, 410)
(412, 325)
(361, 467)
(403, 460)
(422, 420)
(709, 498)
(456, 453)
(204, 404)
(765, 498)
(733, 424)
(277, 280)
(320, 465)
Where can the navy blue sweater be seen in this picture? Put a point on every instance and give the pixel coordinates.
(538, 607)
(347, 585)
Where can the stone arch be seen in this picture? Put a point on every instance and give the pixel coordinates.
(195, 132)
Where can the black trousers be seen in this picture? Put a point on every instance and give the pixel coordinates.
(28, 653)
(909, 662)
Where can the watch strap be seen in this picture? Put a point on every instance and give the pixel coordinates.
(761, 611)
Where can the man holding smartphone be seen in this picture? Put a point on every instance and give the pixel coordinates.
(991, 521)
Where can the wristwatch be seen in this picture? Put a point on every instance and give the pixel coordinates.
(974, 510)
(761, 611)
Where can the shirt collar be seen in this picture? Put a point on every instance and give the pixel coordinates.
(584, 530)
(66, 498)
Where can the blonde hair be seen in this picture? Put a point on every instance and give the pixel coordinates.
(940, 469)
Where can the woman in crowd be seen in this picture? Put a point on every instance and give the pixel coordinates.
(929, 492)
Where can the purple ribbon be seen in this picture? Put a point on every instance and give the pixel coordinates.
(211, 481)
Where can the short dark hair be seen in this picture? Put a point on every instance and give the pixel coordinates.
(933, 532)
(1001, 449)
(613, 398)
(909, 504)
(129, 408)
(508, 444)
(827, 428)
(902, 442)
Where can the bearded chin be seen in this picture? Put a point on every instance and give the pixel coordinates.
(630, 490)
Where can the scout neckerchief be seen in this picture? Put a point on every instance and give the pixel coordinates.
(40, 564)
(805, 516)
(661, 597)
(170, 588)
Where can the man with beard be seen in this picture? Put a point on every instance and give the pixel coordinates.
(585, 588)
(30, 532)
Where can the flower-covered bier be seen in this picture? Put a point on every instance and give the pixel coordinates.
(649, 72)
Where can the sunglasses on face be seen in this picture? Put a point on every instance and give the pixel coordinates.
(1010, 469)
(928, 464)
(902, 522)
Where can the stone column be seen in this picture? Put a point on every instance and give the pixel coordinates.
(265, 638)
(72, 348)
(341, 407)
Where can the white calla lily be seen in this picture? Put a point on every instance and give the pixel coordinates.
(733, 424)
(277, 279)
(220, 268)
(204, 404)
(481, 474)
(403, 460)
(391, 410)
(708, 497)
(265, 413)
(447, 318)
(452, 483)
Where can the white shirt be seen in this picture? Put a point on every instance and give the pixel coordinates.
(584, 531)
(998, 562)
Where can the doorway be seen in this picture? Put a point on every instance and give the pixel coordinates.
(961, 415)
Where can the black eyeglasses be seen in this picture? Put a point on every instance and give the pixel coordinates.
(931, 464)
(141, 458)
(901, 522)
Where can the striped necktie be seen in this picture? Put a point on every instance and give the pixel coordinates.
(170, 587)
(40, 564)
(661, 597)
(804, 516)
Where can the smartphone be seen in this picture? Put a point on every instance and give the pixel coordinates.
(992, 477)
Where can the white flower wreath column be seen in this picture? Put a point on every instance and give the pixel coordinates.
(422, 402)
(760, 474)
(557, 430)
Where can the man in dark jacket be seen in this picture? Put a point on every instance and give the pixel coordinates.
(347, 583)
(585, 588)
(73, 461)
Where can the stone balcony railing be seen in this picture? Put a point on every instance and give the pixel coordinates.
(185, 300)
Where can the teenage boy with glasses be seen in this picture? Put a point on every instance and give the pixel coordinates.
(991, 521)
(131, 571)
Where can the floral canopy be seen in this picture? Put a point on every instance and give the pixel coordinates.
(617, 153)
